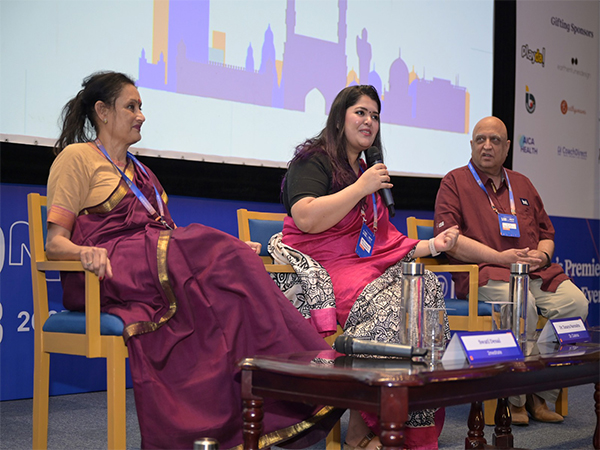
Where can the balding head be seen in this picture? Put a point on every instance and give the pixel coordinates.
(489, 146)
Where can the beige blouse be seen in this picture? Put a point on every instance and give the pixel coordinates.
(80, 177)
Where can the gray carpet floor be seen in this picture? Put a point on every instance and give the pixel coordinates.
(79, 422)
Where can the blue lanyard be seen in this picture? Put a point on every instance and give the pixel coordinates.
(513, 210)
(363, 212)
(141, 197)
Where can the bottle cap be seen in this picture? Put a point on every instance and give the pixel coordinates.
(519, 269)
(413, 268)
(206, 444)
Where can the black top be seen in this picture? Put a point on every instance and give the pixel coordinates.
(309, 177)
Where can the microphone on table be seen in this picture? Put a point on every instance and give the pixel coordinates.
(373, 156)
(350, 346)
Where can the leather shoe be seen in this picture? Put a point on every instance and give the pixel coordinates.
(518, 415)
(536, 406)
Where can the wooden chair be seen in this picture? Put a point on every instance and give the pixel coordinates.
(462, 316)
(479, 313)
(259, 227)
(92, 334)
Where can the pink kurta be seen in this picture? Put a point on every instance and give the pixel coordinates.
(335, 248)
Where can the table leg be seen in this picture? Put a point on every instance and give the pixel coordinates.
(252, 414)
(597, 406)
(476, 425)
(393, 413)
(502, 437)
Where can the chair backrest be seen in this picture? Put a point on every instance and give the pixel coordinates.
(259, 227)
(37, 239)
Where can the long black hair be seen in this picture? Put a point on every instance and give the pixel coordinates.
(79, 117)
(332, 140)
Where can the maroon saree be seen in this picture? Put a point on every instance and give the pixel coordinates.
(194, 301)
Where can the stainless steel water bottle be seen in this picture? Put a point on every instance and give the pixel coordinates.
(206, 444)
(412, 290)
(519, 289)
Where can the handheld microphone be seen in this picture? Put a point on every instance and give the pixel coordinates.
(373, 156)
(350, 346)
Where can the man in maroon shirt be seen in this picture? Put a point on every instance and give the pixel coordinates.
(502, 220)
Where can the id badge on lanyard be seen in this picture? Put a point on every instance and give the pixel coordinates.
(366, 241)
(509, 226)
(366, 238)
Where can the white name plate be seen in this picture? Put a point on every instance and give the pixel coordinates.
(564, 331)
(482, 347)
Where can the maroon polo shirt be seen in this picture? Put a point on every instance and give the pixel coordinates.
(460, 201)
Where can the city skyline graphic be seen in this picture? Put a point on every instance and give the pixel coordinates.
(183, 61)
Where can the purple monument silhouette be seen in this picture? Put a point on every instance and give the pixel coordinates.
(308, 63)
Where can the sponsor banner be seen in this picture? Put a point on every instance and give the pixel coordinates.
(577, 251)
(555, 141)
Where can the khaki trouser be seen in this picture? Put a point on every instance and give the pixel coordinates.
(567, 301)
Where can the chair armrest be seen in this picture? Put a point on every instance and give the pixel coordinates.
(65, 266)
(473, 271)
(279, 268)
(92, 301)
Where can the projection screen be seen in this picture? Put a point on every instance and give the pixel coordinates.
(245, 81)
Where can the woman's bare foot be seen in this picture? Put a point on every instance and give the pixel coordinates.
(357, 430)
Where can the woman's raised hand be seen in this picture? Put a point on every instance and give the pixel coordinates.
(95, 259)
(446, 240)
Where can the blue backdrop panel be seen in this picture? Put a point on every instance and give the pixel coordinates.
(577, 252)
(576, 248)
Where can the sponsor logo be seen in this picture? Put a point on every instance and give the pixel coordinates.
(525, 202)
(444, 285)
(571, 27)
(529, 101)
(566, 108)
(573, 69)
(536, 56)
(527, 145)
(573, 152)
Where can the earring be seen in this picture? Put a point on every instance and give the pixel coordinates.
(105, 120)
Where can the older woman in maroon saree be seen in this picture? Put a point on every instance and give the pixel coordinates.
(194, 300)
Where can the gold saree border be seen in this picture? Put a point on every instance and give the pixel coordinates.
(115, 198)
(118, 194)
(143, 327)
(284, 434)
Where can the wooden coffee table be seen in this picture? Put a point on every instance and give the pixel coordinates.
(391, 387)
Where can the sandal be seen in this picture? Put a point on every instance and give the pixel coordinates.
(363, 443)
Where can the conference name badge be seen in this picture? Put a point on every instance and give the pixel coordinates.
(564, 331)
(366, 241)
(482, 347)
(509, 226)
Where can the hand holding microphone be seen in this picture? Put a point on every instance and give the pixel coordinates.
(373, 156)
